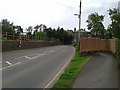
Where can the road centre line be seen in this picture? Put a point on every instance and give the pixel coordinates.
(8, 63)
(10, 66)
(27, 57)
(38, 53)
(46, 52)
(37, 56)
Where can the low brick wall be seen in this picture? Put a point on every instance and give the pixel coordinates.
(14, 45)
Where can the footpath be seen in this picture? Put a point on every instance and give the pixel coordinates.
(100, 72)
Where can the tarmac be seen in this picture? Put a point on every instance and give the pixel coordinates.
(101, 71)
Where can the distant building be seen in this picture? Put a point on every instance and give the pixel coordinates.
(119, 6)
(83, 33)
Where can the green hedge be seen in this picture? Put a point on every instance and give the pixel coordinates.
(118, 49)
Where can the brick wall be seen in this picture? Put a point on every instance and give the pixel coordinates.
(14, 45)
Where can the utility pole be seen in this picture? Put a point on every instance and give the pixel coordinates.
(79, 16)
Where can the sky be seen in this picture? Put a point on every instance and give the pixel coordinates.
(54, 13)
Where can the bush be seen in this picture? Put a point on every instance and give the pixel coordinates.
(118, 49)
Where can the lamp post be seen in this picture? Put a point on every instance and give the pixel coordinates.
(79, 16)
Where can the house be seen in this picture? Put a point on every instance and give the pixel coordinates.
(83, 33)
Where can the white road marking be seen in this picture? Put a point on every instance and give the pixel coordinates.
(46, 52)
(27, 57)
(58, 72)
(19, 57)
(37, 56)
(34, 57)
(8, 63)
(10, 66)
(41, 54)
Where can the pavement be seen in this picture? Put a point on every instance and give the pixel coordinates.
(34, 68)
(100, 72)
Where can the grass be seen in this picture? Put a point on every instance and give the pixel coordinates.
(67, 78)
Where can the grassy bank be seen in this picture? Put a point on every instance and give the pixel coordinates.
(73, 69)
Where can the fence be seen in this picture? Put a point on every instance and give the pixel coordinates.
(95, 44)
(25, 37)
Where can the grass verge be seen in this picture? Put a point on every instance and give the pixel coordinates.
(67, 78)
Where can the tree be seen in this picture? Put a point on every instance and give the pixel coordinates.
(114, 27)
(68, 37)
(95, 25)
(18, 29)
(36, 29)
(7, 26)
(41, 34)
(29, 29)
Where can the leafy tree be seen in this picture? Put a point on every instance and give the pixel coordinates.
(114, 27)
(95, 25)
(7, 26)
(41, 34)
(68, 37)
(36, 29)
(29, 29)
(64, 36)
(49, 32)
(18, 29)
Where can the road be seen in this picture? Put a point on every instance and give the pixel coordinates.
(34, 68)
(100, 72)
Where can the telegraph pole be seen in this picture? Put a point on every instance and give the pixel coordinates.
(79, 16)
(79, 19)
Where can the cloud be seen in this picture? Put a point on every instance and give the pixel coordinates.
(53, 13)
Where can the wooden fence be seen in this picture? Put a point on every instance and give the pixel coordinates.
(25, 37)
(95, 44)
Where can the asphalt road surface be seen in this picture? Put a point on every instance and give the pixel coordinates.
(100, 72)
(34, 68)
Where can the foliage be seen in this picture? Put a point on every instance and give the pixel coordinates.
(18, 29)
(95, 25)
(29, 30)
(7, 26)
(118, 49)
(114, 27)
(10, 27)
(41, 34)
(39, 28)
(64, 36)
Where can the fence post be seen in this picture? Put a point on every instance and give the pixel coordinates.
(13, 36)
(20, 41)
(6, 35)
(28, 38)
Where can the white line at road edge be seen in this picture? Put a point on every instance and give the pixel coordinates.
(10, 65)
(58, 72)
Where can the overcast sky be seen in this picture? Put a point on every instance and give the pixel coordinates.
(53, 13)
